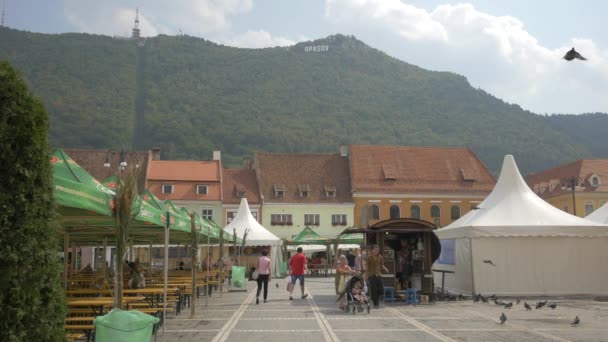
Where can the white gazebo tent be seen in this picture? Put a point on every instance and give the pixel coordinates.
(257, 235)
(534, 248)
(600, 215)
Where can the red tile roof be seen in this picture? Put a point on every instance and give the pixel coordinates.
(93, 161)
(294, 172)
(555, 178)
(243, 181)
(185, 170)
(398, 169)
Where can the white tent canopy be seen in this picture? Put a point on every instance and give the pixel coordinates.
(257, 235)
(536, 248)
(600, 215)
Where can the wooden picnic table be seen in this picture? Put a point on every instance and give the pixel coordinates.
(98, 304)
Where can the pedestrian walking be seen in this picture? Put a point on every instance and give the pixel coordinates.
(297, 268)
(374, 268)
(263, 276)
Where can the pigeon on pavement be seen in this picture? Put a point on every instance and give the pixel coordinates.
(277, 284)
(552, 305)
(528, 307)
(508, 306)
(572, 54)
(575, 322)
(503, 318)
(489, 262)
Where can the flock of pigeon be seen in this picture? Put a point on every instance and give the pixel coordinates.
(503, 318)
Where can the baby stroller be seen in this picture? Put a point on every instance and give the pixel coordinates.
(356, 298)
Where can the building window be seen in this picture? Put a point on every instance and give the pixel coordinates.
(279, 190)
(254, 213)
(201, 189)
(230, 215)
(304, 190)
(595, 181)
(415, 211)
(435, 211)
(364, 216)
(207, 214)
(281, 220)
(311, 219)
(395, 211)
(588, 208)
(375, 211)
(167, 188)
(455, 212)
(338, 220)
(330, 191)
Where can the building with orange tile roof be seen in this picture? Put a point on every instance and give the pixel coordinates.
(436, 184)
(194, 185)
(590, 180)
(300, 190)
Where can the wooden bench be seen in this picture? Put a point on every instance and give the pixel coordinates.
(88, 329)
(74, 336)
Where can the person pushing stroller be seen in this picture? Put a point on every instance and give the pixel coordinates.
(351, 291)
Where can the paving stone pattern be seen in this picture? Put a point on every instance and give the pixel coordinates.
(234, 316)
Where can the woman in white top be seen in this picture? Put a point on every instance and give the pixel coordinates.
(263, 276)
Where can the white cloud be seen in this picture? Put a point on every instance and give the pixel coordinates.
(495, 53)
(115, 17)
(259, 39)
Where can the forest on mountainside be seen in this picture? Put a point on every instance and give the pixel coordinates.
(198, 96)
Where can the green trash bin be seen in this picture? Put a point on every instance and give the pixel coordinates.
(238, 278)
(283, 269)
(127, 326)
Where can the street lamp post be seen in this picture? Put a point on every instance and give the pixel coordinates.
(571, 183)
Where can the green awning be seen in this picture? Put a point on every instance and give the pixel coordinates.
(81, 198)
(309, 237)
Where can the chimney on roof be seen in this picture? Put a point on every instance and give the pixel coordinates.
(155, 153)
(217, 155)
(343, 150)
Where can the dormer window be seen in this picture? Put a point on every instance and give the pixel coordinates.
(594, 180)
(304, 190)
(330, 191)
(279, 190)
(167, 188)
(240, 191)
(390, 174)
(201, 189)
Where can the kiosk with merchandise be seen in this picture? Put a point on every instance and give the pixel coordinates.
(410, 247)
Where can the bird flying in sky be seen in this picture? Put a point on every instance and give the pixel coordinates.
(572, 54)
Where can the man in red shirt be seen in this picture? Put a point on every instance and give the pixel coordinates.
(297, 267)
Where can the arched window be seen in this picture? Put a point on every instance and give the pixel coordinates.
(435, 211)
(395, 212)
(455, 212)
(415, 212)
(375, 211)
(364, 216)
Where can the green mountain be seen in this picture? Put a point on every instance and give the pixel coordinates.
(190, 96)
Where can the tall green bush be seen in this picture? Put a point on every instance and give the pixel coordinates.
(32, 304)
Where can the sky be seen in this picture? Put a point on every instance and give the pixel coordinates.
(512, 49)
